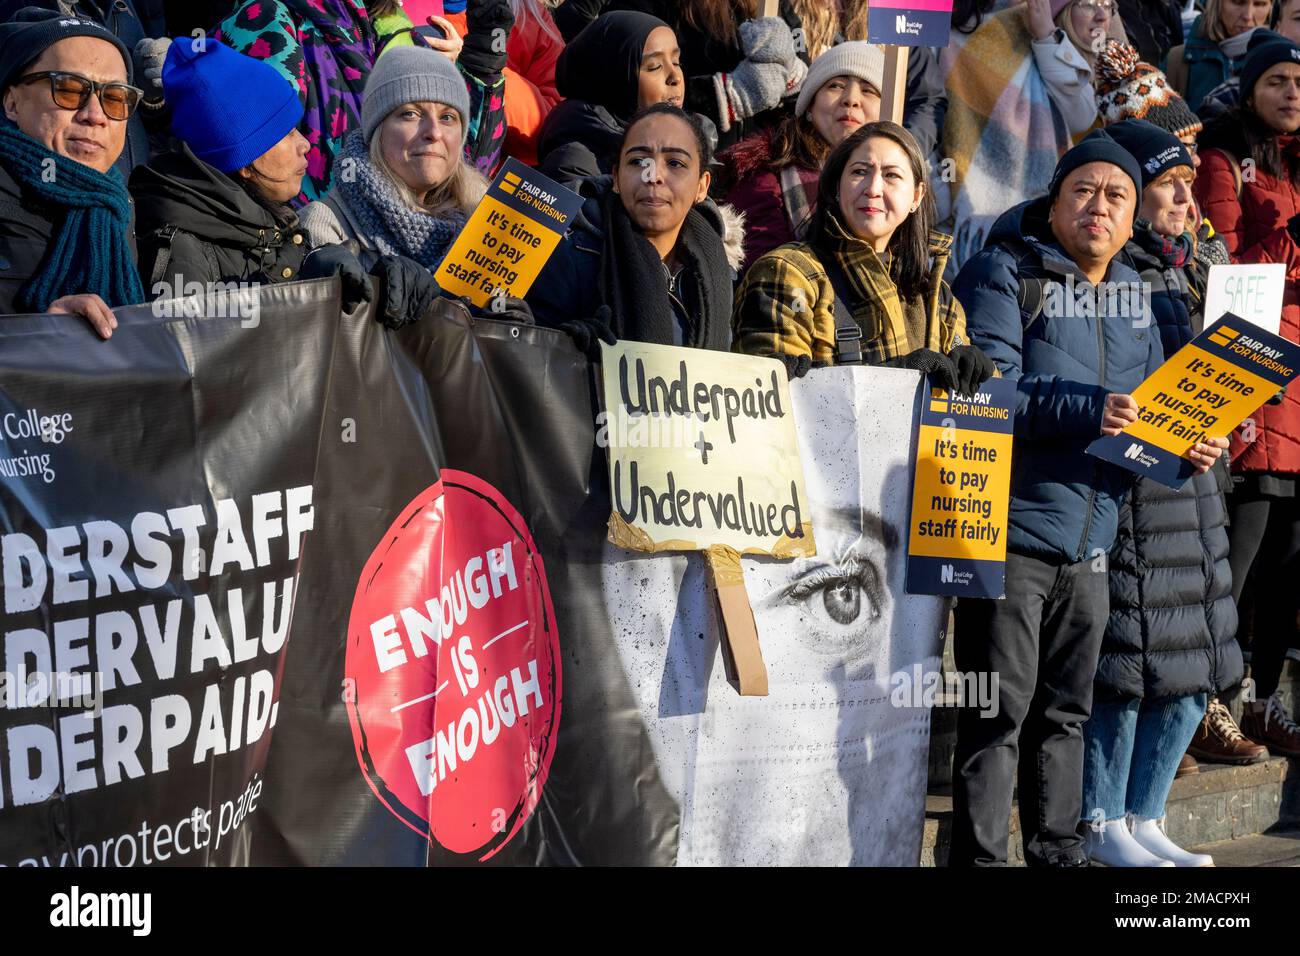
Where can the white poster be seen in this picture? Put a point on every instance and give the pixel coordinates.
(825, 769)
(1253, 292)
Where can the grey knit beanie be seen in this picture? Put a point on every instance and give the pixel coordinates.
(857, 58)
(410, 74)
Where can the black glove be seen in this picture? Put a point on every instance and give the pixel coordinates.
(940, 368)
(409, 290)
(507, 308)
(338, 261)
(796, 366)
(1276, 398)
(587, 334)
(1293, 228)
(487, 27)
(974, 368)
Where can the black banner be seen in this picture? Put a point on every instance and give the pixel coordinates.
(449, 692)
(155, 491)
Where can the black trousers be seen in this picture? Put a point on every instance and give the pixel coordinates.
(1264, 535)
(1042, 641)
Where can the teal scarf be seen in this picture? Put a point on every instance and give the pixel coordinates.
(90, 250)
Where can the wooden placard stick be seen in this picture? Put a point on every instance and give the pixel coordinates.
(769, 8)
(891, 97)
(742, 657)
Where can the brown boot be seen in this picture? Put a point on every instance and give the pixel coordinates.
(1268, 723)
(1218, 739)
(1187, 766)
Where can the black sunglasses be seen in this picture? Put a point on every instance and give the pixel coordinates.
(70, 91)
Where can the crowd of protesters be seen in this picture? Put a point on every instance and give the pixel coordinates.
(741, 192)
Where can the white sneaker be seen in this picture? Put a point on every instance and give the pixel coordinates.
(1113, 845)
(1150, 834)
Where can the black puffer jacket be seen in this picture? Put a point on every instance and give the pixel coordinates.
(1172, 626)
(26, 226)
(199, 224)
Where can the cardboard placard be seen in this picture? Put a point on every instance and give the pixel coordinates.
(910, 22)
(1205, 390)
(894, 90)
(742, 657)
(957, 542)
(513, 231)
(703, 456)
(1252, 292)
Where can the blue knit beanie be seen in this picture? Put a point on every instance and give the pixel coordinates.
(228, 108)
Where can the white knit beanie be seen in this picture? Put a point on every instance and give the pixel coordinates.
(857, 58)
(412, 74)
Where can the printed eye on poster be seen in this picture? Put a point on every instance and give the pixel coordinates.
(703, 456)
(1205, 390)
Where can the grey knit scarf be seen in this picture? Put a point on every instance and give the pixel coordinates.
(393, 227)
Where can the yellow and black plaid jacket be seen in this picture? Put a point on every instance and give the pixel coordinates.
(786, 306)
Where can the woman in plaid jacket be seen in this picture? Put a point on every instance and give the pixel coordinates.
(866, 285)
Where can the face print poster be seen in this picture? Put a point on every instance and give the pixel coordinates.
(826, 769)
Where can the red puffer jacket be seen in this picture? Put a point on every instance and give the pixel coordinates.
(1254, 228)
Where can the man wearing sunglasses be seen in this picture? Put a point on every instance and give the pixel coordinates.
(65, 218)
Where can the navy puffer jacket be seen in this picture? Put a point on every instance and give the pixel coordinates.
(1172, 626)
(1064, 502)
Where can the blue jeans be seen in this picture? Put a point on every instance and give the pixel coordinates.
(1131, 750)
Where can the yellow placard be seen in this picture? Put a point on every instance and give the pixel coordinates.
(508, 239)
(963, 513)
(1196, 395)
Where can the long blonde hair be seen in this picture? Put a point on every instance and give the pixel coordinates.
(1212, 18)
(459, 192)
(852, 19)
(820, 24)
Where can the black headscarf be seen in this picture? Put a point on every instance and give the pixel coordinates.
(601, 64)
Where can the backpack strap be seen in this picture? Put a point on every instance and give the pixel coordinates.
(164, 258)
(1030, 276)
(1233, 163)
(848, 334)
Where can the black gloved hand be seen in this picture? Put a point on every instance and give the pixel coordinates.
(326, 261)
(587, 334)
(940, 368)
(487, 27)
(409, 290)
(974, 368)
(1293, 228)
(796, 366)
(507, 308)
(1276, 398)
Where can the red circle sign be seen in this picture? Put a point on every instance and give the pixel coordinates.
(453, 668)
